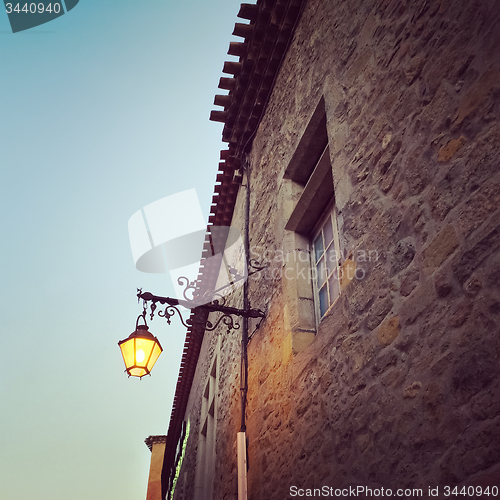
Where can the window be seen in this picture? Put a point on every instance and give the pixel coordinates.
(205, 462)
(315, 217)
(325, 261)
(311, 242)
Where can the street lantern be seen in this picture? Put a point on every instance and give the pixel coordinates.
(140, 351)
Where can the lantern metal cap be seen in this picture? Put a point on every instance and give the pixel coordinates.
(141, 331)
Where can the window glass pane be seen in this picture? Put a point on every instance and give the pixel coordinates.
(321, 272)
(326, 262)
(318, 247)
(323, 301)
(328, 231)
(332, 259)
(333, 283)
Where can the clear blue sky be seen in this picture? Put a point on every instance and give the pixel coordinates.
(102, 111)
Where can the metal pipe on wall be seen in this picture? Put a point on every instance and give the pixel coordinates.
(241, 438)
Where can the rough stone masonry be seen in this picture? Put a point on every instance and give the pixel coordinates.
(400, 386)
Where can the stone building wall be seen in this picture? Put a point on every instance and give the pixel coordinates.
(399, 387)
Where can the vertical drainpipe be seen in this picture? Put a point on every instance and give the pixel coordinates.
(242, 465)
(241, 438)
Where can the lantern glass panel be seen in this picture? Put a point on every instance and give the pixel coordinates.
(128, 351)
(154, 356)
(137, 372)
(143, 348)
(140, 352)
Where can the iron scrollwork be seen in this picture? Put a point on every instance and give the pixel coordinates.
(215, 305)
(189, 285)
(228, 322)
(169, 312)
(255, 264)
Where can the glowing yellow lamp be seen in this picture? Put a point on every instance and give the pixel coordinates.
(140, 352)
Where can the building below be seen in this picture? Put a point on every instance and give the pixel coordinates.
(368, 134)
(156, 445)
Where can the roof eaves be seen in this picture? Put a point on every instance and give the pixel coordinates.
(266, 40)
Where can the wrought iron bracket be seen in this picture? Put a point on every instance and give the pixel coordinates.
(214, 306)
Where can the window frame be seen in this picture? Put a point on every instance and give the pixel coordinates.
(333, 272)
(206, 453)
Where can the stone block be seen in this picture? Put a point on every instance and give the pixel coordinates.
(440, 248)
(465, 263)
(461, 313)
(388, 331)
(417, 173)
(298, 312)
(441, 108)
(447, 152)
(487, 404)
(412, 390)
(477, 94)
(307, 315)
(478, 208)
(378, 312)
(480, 331)
(385, 174)
(358, 65)
(384, 362)
(473, 286)
(481, 159)
(420, 300)
(433, 401)
(393, 378)
(443, 284)
(325, 381)
(347, 273)
(405, 106)
(483, 445)
(384, 224)
(287, 349)
(300, 339)
(441, 365)
(414, 68)
(374, 284)
(402, 255)
(447, 192)
(473, 371)
(409, 281)
(358, 351)
(452, 424)
(416, 218)
(297, 274)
